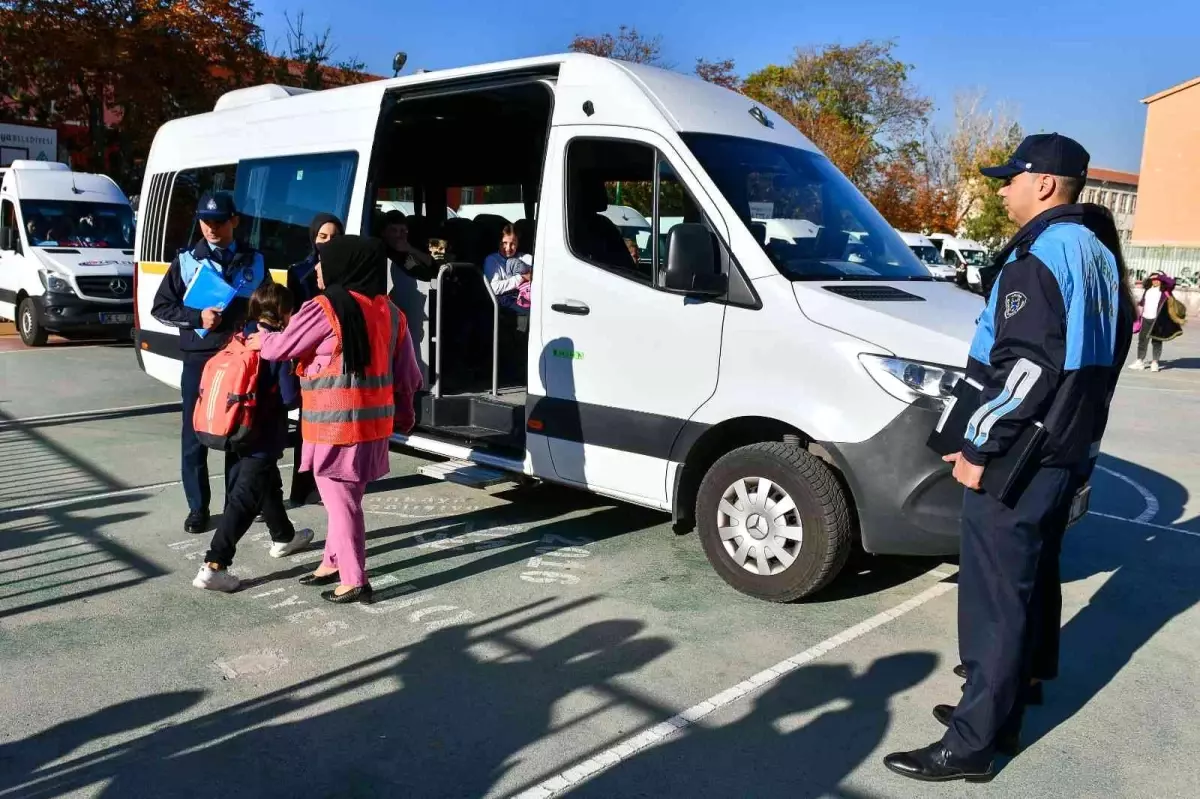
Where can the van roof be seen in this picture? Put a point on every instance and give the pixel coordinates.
(616, 93)
(914, 239)
(957, 243)
(61, 184)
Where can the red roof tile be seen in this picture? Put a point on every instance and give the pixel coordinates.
(1113, 176)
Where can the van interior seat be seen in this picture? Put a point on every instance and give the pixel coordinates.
(525, 230)
(490, 227)
(593, 235)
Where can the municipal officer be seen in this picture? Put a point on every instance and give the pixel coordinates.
(242, 268)
(1048, 348)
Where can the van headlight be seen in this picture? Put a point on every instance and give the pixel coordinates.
(916, 383)
(55, 284)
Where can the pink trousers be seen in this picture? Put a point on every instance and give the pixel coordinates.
(346, 538)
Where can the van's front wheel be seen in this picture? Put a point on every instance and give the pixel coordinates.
(30, 324)
(774, 521)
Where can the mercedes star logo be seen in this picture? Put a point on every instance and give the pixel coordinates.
(119, 286)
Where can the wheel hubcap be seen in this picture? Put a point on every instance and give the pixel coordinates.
(27, 324)
(760, 526)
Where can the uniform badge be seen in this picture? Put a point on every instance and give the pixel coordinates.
(212, 204)
(1013, 303)
(248, 274)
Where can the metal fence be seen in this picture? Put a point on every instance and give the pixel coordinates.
(1181, 263)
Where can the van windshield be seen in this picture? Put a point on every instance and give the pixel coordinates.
(830, 231)
(975, 257)
(928, 254)
(69, 223)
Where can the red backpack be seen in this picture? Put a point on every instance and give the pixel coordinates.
(224, 415)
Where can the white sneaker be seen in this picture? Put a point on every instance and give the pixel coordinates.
(216, 580)
(1154, 366)
(1137, 365)
(301, 540)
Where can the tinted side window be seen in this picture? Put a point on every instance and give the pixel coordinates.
(610, 190)
(189, 185)
(278, 197)
(8, 220)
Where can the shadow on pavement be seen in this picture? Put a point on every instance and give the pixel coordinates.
(769, 752)
(433, 719)
(1152, 580)
(83, 562)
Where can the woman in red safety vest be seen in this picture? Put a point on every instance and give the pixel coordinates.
(358, 374)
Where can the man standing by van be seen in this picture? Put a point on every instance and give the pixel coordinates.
(243, 269)
(1048, 349)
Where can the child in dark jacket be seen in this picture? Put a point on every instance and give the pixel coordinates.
(253, 479)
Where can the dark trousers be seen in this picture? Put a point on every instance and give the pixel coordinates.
(254, 485)
(304, 484)
(1144, 341)
(1010, 595)
(194, 455)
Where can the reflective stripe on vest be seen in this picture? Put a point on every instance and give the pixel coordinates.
(245, 280)
(343, 409)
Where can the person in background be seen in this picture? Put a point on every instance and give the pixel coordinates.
(409, 268)
(1160, 318)
(358, 378)
(302, 280)
(203, 333)
(634, 252)
(254, 482)
(509, 271)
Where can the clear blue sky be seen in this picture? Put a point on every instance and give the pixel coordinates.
(1079, 66)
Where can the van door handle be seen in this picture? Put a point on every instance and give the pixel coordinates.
(572, 307)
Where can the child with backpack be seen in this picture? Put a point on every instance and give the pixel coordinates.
(243, 407)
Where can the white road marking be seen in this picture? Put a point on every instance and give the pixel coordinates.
(628, 747)
(56, 417)
(1144, 524)
(266, 593)
(349, 641)
(1151, 501)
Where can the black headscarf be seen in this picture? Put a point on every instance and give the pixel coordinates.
(319, 221)
(358, 264)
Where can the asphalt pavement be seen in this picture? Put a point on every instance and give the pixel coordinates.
(539, 641)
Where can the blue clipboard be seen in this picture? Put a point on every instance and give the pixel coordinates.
(208, 290)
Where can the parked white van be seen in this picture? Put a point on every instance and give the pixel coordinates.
(778, 402)
(965, 255)
(66, 253)
(927, 252)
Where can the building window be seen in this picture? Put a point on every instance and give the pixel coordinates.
(1133, 204)
(1088, 194)
(1104, 198)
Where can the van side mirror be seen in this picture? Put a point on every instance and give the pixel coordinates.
(694, 262)
(8, 239)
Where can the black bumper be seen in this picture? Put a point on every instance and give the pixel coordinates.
(907, 502)
(66, 313)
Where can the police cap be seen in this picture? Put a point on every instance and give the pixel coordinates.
(1044, 154)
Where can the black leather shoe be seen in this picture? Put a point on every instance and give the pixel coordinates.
(935, 763)
(961, 671)
(363, 593)
(323, 579)
(196, 522)
(1006, 743)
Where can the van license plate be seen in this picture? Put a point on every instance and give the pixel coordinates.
(1079, 505)
(116, 318)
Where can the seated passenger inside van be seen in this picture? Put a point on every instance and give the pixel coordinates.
(406, 259)
(509, 272)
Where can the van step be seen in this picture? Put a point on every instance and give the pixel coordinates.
(465, 473)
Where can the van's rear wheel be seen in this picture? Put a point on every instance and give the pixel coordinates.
(774, 521)
(30, 324)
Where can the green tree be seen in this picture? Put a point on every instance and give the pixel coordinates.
(856, 103)
(307, 59)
